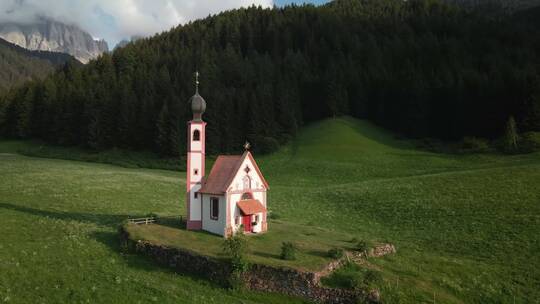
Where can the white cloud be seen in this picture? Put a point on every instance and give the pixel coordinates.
(114, 20)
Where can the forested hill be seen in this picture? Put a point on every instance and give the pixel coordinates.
(506, 5)
(421, 68)
(18, 65)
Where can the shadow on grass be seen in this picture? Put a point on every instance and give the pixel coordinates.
(318, 253)
(108, 238)
(172, 222)
(111, 238)
(144, 263)
(266, 255)
(111, 220)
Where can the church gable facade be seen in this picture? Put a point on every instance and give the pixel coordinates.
(232, 198)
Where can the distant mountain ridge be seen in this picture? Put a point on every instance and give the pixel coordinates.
(18, 65)
(50, 35)
(54, 58)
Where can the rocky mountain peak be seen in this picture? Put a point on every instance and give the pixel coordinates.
(50, 35)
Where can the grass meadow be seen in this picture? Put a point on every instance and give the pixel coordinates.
(466, 227)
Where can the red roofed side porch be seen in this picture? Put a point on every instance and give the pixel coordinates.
(252, 212)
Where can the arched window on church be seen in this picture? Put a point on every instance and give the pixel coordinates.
(196, 135)
(247, 182)
(247, 196)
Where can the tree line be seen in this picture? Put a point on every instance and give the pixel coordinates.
(422, 68)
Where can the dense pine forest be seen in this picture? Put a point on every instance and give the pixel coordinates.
(422, 68)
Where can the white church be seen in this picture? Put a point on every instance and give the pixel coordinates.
(232, 198)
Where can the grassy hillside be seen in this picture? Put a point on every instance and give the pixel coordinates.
(466, 227)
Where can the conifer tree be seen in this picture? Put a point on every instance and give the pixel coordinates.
(162, 126)
(3, 106)
(511, 136)
(25, 113)
(532, 111)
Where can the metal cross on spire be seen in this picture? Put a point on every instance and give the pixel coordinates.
(247, 145)
(197, 82)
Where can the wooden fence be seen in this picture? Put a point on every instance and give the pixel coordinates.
(142, 220)
(151, 220)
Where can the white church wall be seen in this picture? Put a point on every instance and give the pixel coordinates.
(261, 196)
(233, 211)
(216, 226)
(235, 222)
(195, 164)
(195, 204)
(258, 219)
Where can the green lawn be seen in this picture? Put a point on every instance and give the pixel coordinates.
(466, 227)
(312, 243)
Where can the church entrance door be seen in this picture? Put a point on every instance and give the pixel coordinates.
(246, 221)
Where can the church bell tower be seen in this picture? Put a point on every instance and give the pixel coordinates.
(195, 159)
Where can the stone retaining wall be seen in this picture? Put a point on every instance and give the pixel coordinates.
(259, 277)
(381, 250)
(184, 261)
(297, 283)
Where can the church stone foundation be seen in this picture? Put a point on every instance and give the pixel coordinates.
(194, 225)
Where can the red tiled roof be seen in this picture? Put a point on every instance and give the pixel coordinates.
(250, 206)
(223, 172)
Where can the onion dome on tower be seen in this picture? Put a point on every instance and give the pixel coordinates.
(198, 104)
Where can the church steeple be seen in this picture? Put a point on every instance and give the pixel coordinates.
(198, 104)
(195, 159)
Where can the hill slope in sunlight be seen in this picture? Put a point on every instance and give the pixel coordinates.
(456, 219)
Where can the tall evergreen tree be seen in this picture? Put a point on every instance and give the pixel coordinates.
(511, 136)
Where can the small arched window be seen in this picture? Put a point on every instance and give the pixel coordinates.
(247, 182)
(196, 135)
(247, 196)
